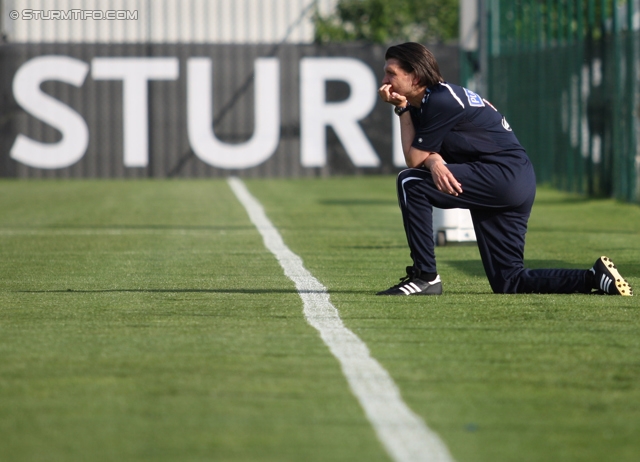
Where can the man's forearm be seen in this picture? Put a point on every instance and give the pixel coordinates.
(407, 134)
(433, 158)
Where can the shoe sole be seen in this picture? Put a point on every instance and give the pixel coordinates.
(622, 286)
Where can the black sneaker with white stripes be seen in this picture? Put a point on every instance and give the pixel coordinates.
(412, 284)
(607, 279)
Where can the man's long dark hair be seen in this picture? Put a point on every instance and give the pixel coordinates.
(414, 57)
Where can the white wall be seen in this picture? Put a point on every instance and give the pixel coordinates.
(163, 21)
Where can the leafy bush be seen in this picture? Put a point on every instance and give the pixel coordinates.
(385, 21)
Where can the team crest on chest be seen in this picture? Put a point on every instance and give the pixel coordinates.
(474, 99)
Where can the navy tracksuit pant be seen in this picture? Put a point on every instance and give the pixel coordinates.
(499, 197)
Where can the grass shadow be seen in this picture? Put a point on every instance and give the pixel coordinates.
(195, 291)
(563, 200)
(359, 202)
(373, 247)
(151, 227)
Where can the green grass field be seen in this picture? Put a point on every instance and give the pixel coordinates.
(145, 320)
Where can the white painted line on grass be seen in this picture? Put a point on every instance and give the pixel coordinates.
(107, 232)
(403, 433)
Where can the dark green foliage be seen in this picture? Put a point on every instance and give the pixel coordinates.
(384, 21)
